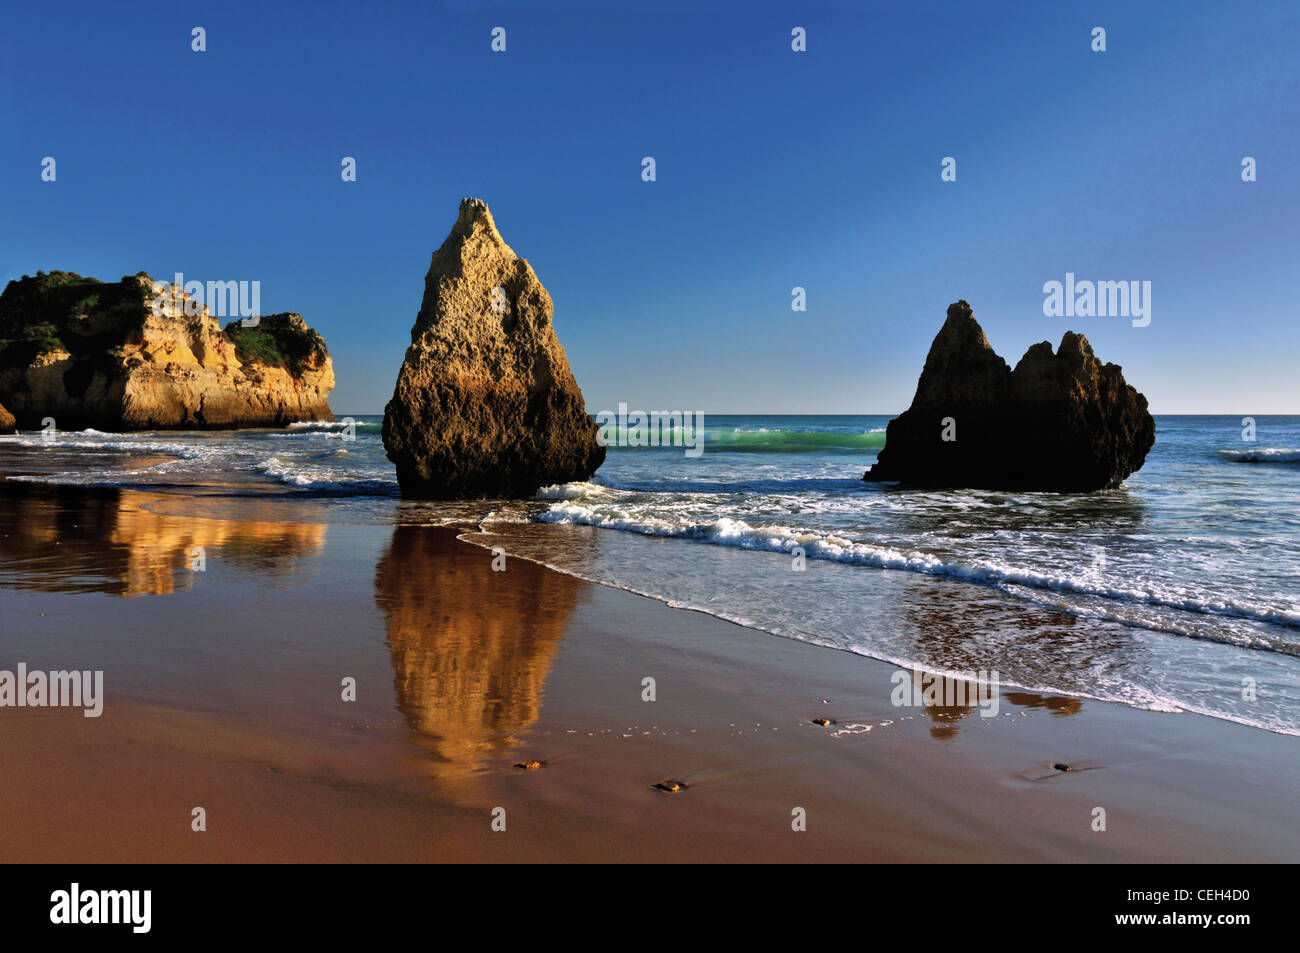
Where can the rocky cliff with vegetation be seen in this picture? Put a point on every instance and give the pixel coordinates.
(125, 356)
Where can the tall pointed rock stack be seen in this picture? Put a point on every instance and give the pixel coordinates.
(485, 404)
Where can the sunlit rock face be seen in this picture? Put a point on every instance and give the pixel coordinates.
(485, 404)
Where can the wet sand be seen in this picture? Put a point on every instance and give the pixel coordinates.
(224, 691)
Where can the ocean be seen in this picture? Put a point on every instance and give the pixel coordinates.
(1179, 591)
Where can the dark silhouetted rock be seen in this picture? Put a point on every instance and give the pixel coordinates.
(1060, 422)
(485, 404)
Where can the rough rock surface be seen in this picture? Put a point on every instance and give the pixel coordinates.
(95, 354)
(1058, 422)
(485, 403)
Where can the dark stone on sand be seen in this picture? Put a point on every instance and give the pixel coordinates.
(672, 787)
(821, 721)
(529, 765)
(1061, 767)
(1060, 422)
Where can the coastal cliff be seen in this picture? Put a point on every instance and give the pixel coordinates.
(119, 356)
(485, 404)
(1060, 421)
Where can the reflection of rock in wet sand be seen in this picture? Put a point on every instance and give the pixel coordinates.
(1058, 705)
(946, 717)
(952, 624)
(471, 648)
(103, 541)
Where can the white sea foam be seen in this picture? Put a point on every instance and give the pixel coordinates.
(1264, 455)
(120, 442)
(321, 424)
(306, 476)
(738, 534)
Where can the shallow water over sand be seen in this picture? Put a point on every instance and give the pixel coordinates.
(1178, 592)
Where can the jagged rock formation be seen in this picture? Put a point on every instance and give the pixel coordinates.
(1062, 422)
(122, 356)
(7, 422)
(485, 403)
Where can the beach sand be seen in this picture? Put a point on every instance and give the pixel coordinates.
(224, 690)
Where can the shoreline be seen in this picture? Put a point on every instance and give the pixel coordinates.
(223, 692)
(471, 535)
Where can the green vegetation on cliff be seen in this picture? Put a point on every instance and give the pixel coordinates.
(63, 310)
(278, 340)
(128, 355)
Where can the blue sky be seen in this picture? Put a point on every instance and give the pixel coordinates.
(775, 169)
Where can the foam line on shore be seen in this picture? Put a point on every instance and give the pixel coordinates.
(780, 539)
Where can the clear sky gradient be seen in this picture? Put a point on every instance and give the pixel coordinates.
(775, 169)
